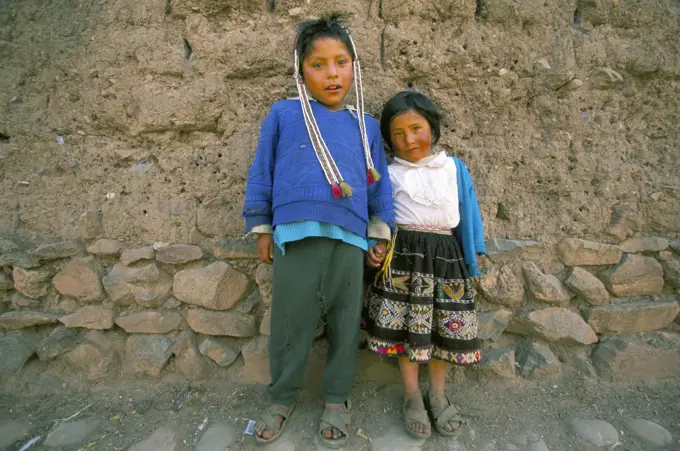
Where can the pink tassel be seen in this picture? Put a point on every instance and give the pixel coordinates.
(336, 190)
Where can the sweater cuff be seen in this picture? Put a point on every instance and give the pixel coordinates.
(262, 229)
(257, 220)
(378, 229)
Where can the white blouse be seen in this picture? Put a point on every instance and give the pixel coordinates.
(425, 192)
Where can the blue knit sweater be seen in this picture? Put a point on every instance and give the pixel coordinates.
(286, 182)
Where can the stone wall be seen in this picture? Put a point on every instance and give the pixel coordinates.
(109, 309)
(125, 123)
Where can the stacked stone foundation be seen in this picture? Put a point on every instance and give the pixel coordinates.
(108, 310)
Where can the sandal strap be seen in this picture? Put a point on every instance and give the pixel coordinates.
(341, 420)
(416, 415)
(450, 413)
(269, 416)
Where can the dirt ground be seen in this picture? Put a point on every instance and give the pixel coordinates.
(127, 412)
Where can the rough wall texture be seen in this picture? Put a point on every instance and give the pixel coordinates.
(137, 120)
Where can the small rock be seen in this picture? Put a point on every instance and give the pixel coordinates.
(256, 360)
(178, 254)
(572, 85)
(605, 77)
(671, 271)
(149, 322)
(107, 247)
(53, 251)
(631, 317)
(68, 434)
(130, 256)
(219, 351)
(248, 304)
(675, 244)
(172, 303)
(19, 301)
(555, 324)
(498, 246)
(147, 285)
(6, 282)
(647, 244)
(217, 286)
(147, 354)
(196, 237)
(295, 12)
(542, 65)
(230, 324)
(33, 283)
(266, 322)
(217, 438)
(212, 216)
(665, 255)
(188, 360)
(545, 287)
(80, 280)
(587, 286)
(502, 286)
(635, 275)
(90, 317)
(59, 342)
(235, 250)
(96, 355)
(18, 259)
(14, 352)
(536, 361)
(581, 363)
(22, 320)
(491, 324)
(263, 278)
(158, 245)
(500, 361)
(597, 432)
(90, 224)
(650, 433)
(653, 355)
(162, 439)
(577, 252)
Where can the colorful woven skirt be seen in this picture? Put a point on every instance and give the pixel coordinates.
(423, 307)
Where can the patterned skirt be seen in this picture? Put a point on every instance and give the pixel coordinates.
(424, 306)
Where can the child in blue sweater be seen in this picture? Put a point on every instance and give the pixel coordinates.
(315, 196)
(421, 307)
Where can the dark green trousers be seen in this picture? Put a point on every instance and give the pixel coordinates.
(317, 278)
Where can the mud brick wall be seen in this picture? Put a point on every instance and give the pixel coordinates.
(127, 127)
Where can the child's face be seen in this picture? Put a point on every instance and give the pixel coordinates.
(411, 136)
(327, 72)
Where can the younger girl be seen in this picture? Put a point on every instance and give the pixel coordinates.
(421, 306)
(314, 196)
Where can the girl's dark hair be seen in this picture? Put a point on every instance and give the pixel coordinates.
(410, 101)
(329, 26)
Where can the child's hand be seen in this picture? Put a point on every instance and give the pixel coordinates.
(265, 247)
(376, 255)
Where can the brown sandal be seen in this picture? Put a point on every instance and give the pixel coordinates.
(341, 421)
(269, 419)
(442, 417)
(413, 415)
